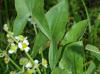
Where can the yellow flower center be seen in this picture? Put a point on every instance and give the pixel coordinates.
(24, 45)
(44, 61)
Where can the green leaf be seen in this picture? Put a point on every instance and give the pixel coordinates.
(24, 9)
(94, 51)
(30, 4)
(40, 42)
(57, 17)
(22, 16)
(39, 17)
(75, 33)
(58, 71)
(91, 68)
(52, 54)
(72, 58)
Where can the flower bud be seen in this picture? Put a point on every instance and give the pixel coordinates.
(5, 27)
(6, 60)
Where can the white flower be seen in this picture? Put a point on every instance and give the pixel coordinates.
(44, 62)
(13, 49)
(28, 65)
(24, 45)
(36, 61)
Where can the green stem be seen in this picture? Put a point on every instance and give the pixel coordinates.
(38, 70)
(14, 39)
(35, 29)
(41, 53)
(12, 60)
(29, 58)
(14, 64)
(7, 46)
(87, 15)
(44, 70)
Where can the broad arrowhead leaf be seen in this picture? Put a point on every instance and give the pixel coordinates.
(40, 42)
(91, 68)
(30, 4)
(21, 7)
(39, 17)
(75, 33)
(72, 59)
(59, 71)
(94, 51)
(57, 17)
(22, 16)
(52, 54)
(26, 8)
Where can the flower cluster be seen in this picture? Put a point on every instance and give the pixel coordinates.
(21, 43)
(36, 63)
(13, 48)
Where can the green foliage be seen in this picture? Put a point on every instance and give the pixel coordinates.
(94, 51)
(75, 33)
(64, 37)
(90, 68)
(57, 18)
(59, 71)
(39, 43)
(72, 59)
(22, 16)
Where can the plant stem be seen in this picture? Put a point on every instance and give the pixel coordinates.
(44, 70)
(14, 39)
(12, 60)
(39, 72)
(14, 64)
(29, 58)
(89, 22)
(35, 29)
(7, 47)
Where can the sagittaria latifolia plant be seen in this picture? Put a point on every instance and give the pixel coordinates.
(21, 44)
(56, 50)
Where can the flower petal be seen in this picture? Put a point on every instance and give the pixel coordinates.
(10, 51)
(27, 49)
(26, 41)
(28, 65)
(36, 61)
(20, 45)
